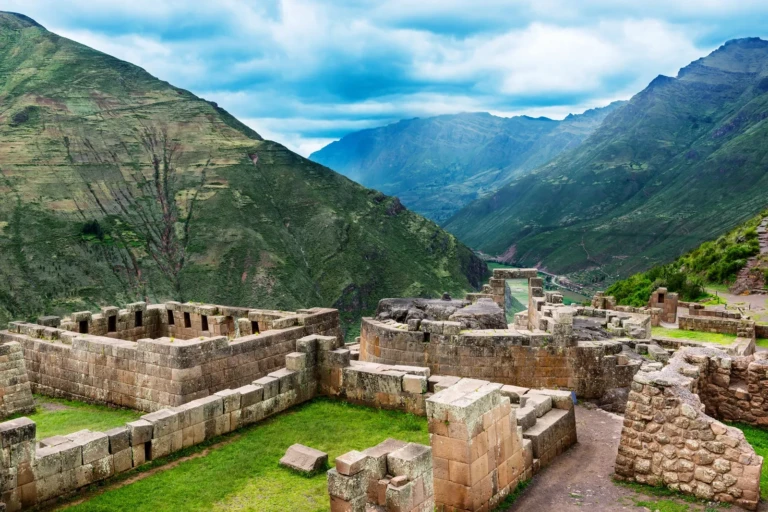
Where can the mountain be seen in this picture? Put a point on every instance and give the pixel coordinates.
(116, 186)
(685, 160)
(738, 259)
(439, 164)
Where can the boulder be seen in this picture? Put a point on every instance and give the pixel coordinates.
(483, 314)
(304, 459)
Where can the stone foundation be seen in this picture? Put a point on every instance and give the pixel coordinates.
(668, 439)
(154, 373)
(34, 473)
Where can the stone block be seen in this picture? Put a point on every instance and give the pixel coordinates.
(416, 384)
(164, 422)
(271, 386)
(95, 445)
(351, 463)
(230, 398)
(542, 403)
(304, 459)
(296, 361)
(119, 439)
(411, 461)
(140, 432)
(250, 394)
(17, 431)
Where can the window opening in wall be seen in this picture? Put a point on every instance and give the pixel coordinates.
(171, 321)
(255, 327)
(139, 319)
(112, 324)
(83, 326)
(187, 320)
(661, 298)
(426, 337)
(204, 320)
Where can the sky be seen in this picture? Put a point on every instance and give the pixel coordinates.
(307, 72)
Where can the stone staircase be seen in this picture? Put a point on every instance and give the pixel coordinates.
(547, 419)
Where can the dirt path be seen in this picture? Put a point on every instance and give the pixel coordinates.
(580, 479)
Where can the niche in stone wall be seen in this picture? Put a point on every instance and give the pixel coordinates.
(661, 298)
(83, 326)
(112, 323)
(187, 320)
(171, 321)
(204, 321)
(255, 327)
(139, 319)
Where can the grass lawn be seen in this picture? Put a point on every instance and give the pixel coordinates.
(55, 416)
(244, 474)
(758, 438)
(722, 339)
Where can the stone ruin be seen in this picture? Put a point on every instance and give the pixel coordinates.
(499, 398)
(585, 349)
(201, 371)
(672, 435)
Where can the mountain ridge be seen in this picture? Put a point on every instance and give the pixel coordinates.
(118, 186)
(437, 164)
(684, 158)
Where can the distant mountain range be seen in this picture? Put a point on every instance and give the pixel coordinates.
(116, 186)
(684, 161)
(439, 164)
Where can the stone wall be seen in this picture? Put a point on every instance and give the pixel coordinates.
(34, 473)
(668, 439)
(154, 373)
(392, 476)
(15, 391)
(714, 324)
(665, 301)
(509, 357)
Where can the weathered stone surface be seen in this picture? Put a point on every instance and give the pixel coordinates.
(304, 459)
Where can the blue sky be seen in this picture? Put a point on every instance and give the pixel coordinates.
(306, 72)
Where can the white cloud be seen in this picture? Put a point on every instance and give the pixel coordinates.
(304, 71)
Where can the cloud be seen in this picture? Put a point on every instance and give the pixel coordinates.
(305, 72)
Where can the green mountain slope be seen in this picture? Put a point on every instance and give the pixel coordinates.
(683, 161)
(739, 255)
(116, 186)
(439, 164)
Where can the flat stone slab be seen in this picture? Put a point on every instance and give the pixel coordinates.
(304, 459)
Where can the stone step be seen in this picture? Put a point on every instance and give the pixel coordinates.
(542, 403)
(526, 417)
(547, 432)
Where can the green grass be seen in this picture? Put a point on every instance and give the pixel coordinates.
(244, 474)
(758, 438)
(709, 337)
(512, 496)
(55, 416)
(661, 499)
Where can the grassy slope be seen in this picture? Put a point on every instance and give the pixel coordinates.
(715, 262)
(117, 186)
(683, 160)
(244, 475)
(439, 164)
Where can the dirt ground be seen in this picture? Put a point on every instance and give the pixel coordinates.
(580, 479)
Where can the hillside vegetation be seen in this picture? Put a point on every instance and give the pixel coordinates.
(438, 164)
(684, 160)
(714, 262)
(117, 187)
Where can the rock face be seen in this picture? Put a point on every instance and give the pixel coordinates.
(483, 314)
(304, 459)
(402, 310)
